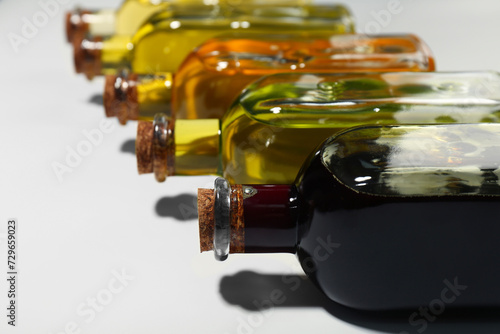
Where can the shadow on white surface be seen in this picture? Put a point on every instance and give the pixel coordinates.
(128, 146)
(97, 99)
(254, 292)
(181, 207)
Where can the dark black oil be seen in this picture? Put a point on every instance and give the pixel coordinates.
(384, 252)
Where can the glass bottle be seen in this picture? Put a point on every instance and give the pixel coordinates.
(214, 74)
(163, 42)
(127, 19)
(280, 119)
(381, 217)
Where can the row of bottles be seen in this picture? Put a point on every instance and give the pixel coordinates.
(251, 90)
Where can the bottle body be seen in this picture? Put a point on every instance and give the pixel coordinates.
(410, 211)
(133, 13)
(280, 119)
(213, 75)
(165, 40)
(385, 217)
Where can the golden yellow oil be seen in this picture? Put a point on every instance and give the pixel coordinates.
(154, 95)
(115, 54)
(197, 147)
(162, 44)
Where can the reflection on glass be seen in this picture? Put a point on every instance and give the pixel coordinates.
(427, 160)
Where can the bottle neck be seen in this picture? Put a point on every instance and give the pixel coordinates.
(248, 219)
(130, 96)
(97, 56)
(197, 146)
(81, 22)
(115, 53)
(102, 23)
(154, 95)
(269, 214)
(183, 147)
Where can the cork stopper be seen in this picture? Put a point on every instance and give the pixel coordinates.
(155, 147)
(109, 95)
(121, 97)
(206, 202)
(87, 56)
(76, 24)
(207, 206)
(144, 147)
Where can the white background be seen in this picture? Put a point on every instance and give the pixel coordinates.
(104, 218)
